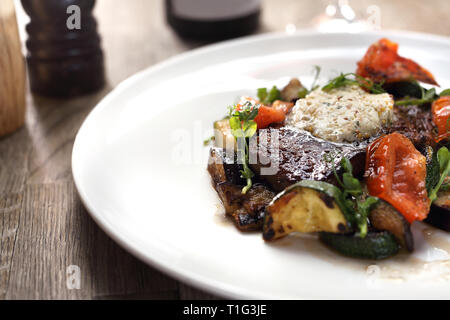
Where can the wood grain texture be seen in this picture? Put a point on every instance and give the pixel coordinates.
(43, 225)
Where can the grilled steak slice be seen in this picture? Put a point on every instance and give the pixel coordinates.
(299, 156)
(416, 124)
(246, 210)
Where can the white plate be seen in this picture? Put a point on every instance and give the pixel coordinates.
(140, 168)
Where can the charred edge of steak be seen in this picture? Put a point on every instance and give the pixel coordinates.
(246, 210)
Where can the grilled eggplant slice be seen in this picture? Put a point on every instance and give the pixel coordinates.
(385, 217)
(439, 215)
(302, 209)
(375, 245)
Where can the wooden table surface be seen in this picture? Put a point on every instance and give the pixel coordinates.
(43, 225)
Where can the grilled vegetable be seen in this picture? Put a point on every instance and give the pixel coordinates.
(396, 173)
(292, 90)
(384, 217)
(223, 138)
(302, 209)
(376, 245)
(284, 106)
(440, 211)
(382, 63)
(441, 117)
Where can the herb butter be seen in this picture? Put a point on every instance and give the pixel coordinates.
(344, 114)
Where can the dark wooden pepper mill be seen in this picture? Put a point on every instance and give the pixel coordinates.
(64, 54)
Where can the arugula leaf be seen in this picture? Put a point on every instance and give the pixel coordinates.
(243, 126)
(443, 157)
(268, 97)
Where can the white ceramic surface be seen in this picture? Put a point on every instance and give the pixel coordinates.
(140, 168)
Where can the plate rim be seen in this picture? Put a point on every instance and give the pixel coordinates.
(207, 284)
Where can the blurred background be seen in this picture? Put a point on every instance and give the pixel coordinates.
(140, 26)
(44, 228)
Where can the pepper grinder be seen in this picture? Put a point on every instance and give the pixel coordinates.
(12, 71)
(64, 54)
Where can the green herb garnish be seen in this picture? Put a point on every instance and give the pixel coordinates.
(443, 163)
(243, 126)
(348, 79)
(427, 96)
(314, 84)
(444, 93)
(267, 97)
(423, 95)
(353, 196)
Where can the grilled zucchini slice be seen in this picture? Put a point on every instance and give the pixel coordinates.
(375, 245)
(302, 209)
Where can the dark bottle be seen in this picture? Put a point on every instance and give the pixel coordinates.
(213, 19)
(64, 54)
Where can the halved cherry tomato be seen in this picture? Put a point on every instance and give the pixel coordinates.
(268, 114)
(396, 172)
(382, 63)
(441, 117)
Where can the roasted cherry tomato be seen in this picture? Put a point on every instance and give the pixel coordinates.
(382, 63)
(276, 113)
(441, 117)
(396, 172)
